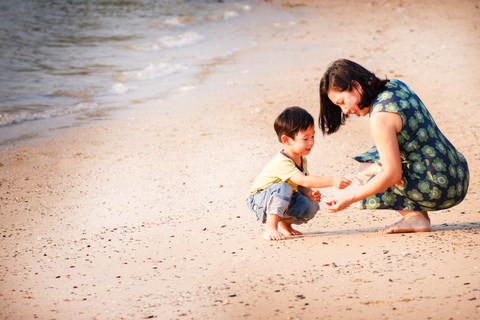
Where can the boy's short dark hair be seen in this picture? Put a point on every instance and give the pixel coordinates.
(291, 121)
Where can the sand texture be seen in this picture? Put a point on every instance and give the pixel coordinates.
(143, 215)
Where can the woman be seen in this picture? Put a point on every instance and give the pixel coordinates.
(412, 168)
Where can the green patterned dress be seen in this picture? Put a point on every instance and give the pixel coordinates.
(435, 174)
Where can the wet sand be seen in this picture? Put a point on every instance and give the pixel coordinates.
(143, 216)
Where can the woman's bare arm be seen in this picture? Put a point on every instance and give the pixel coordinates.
(384, 127)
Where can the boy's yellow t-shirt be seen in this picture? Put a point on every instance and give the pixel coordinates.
(280, 169)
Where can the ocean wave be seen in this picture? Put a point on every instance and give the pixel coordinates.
(172, 22)
(121, 88)
(18, 117)
(230, 14)
(74, 94)
(169, 42)
(153, 71)
(181, 40)
(179, 21)
(118, 51)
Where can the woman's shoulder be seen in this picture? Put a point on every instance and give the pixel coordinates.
(395, 98)
(395, 89)
(396, 85)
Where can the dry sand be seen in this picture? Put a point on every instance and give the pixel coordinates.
(144, 216)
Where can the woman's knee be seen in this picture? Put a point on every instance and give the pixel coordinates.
(366, 170)
(362, 177)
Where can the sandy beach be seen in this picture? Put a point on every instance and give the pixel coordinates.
(141, 214)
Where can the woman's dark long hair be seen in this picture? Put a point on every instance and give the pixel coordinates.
(340, 75)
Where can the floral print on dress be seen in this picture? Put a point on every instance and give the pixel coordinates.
(435, 174)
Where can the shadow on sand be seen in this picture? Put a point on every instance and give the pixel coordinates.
(474, 226)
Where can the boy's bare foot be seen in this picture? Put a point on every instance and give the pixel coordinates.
(412, 222)
(272, 234)
(286, 229)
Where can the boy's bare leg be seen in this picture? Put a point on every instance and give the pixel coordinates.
(286, 228)
(412, 221)
(271, 232)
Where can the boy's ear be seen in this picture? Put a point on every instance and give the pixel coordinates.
(285, 140)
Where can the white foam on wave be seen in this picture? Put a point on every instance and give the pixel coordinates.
(178, 21)
(172, 22)
(18, 117)
(154, 71)
(121, 88)
(169, 42)
(230, 14)
(181, 40)
(175, 21)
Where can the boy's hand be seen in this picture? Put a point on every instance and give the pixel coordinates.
(315, 195)
(341, 183)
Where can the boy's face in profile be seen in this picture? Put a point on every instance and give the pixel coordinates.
(303, 142)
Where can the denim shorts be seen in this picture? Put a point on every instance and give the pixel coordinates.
(278, 199)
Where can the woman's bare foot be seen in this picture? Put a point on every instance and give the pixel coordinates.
(394, 224)
(273, 234)
(286, 229)
(412, 221)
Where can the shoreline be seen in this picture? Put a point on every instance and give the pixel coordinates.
(143, 215)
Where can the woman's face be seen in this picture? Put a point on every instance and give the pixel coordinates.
(348, 100)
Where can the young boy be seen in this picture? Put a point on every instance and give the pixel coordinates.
(282, 195)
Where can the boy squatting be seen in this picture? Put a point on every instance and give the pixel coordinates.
(282, 194)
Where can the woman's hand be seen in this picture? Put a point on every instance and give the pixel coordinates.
(400, 183)
(339, 203)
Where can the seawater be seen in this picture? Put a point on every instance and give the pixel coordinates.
(60, 57)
